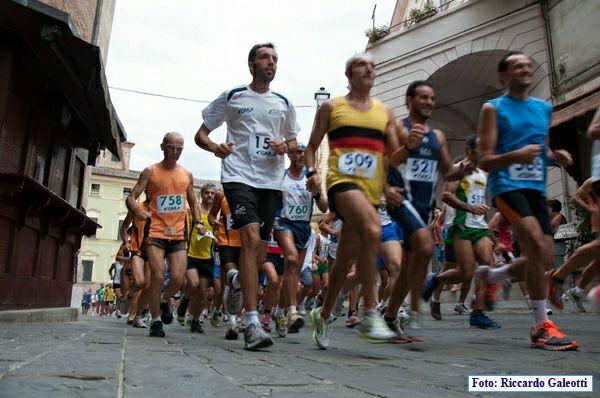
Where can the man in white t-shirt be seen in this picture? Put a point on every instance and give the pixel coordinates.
(261, 128)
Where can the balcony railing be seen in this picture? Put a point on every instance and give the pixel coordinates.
(443, 8)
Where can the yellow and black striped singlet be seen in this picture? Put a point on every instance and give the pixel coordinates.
(356, 147)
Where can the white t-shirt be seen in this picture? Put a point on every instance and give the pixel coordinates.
(252, 120)
(308, 259)
(117, 274)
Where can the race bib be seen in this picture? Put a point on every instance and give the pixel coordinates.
(424, 170)
(169, 203)
(296, 212)
(259, 146)
(527, 172)
(358, 164)
(596, 167)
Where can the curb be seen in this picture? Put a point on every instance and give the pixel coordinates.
(40, 315)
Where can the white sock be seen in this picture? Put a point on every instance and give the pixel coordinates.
(578, 291)
(539, 312)
(155, 319)
(278, 312)
(251, 317)
(292, 308)
(496, 275)
(232, 275)
(232, 320)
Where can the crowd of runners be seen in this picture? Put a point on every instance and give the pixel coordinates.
(247, 256)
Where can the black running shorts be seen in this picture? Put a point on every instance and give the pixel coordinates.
(521, 203)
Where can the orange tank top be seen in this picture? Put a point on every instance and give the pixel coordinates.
(137, 231)
(166, 195)
(226, 235)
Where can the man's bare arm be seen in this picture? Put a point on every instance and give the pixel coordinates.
(139, 187)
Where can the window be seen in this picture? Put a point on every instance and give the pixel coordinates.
(95, 190)
(119, 229)
(126, 191)
(88, 266)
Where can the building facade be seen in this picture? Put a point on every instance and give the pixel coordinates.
(456, 46)
(55, 115)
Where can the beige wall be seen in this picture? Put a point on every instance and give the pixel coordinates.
(105, 158)
(83, 14)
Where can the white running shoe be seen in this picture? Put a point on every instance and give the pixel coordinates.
(374, 329)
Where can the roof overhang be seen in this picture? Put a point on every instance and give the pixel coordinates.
(74, 65)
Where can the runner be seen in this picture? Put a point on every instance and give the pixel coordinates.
(261, 128)
(424, 155)
(586, 256)
(168, 186)
(115, 275)
(449, 263)
(200, 263)
(469, 235)
(272, 271)
(513, 142)
(390, 252)
(360, 129)
(132, 234)
(292, 231)
(306, 278)
(229, 255)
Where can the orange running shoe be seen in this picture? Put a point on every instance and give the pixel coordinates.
(548, 337)
(555, 290)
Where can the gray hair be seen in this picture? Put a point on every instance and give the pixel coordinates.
(355, 58)
(208, 185)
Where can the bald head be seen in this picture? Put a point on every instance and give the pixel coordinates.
(172, 137)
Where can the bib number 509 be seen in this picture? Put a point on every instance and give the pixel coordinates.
(359, 164)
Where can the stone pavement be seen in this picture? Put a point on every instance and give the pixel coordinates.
(102, 357)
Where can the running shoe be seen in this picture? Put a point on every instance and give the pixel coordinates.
(461, 309)
(413, 329)
(255, 337)
(129, 321)
(302, 309)
(352, 320)
(234, 299)
(156, 329)
(310, 304)
(576, 299)
(138, 323)
(241, 326)
(321, 329)
(338, 307)
(294, 322)
(281, 326)
(403, 317)
(482, 321)
(265, 322)
(232, 333)
(548, 337)
(436, 312)
(374, 329)
(165, 313)
(429, 286)
(214, 319)
(401, 337)
(555, 290)
(196, 326)
(182, 309)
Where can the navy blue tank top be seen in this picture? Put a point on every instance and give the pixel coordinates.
(418, 175)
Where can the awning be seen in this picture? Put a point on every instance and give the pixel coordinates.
(575, 108)
(74, 65)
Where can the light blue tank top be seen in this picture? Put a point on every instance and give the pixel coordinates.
(520, 123)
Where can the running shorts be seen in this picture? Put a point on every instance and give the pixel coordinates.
(521, 203)
(251, 205)
(300, 231)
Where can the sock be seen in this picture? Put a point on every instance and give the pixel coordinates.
(539, 312)
(278, 312)
(155, 319)
(292, 308)
(578, 291)
(496, 275)
(251, 318)
(232, 275)
(232, 320)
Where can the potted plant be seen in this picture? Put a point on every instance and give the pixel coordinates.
(419, 14)
(377, 33)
